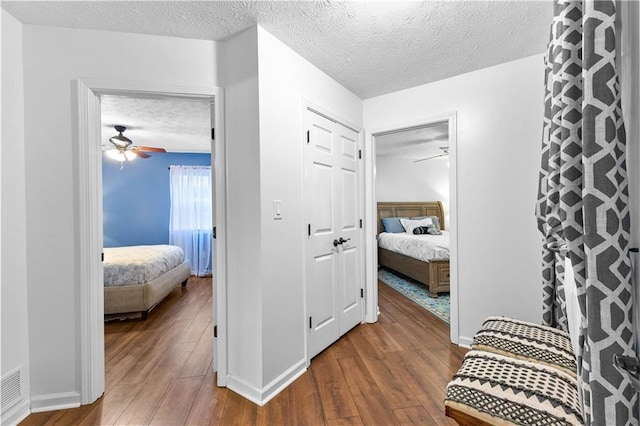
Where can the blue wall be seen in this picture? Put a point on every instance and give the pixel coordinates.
(136, 199)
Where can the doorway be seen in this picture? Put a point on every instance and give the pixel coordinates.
(422, 144)
(87, 141)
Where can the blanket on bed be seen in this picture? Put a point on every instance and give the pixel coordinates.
(139, 264)
(422, 247)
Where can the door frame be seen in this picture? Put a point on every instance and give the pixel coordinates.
(371, 219)
(86, 129)
(310, 106)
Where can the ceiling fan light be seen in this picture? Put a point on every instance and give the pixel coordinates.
(130, 155)
(115, 154)
(120, 140)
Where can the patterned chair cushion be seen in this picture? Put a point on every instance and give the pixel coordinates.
(526, 341)
(501, 390)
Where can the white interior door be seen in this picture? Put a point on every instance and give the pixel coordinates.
(334, 253)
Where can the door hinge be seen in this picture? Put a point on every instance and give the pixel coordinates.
(310, 326)
(308, 136)
(360, 154)
(215, 331)
(360, 223)
(309, 230)
(214, 232)
(213, 133)
(362, 293)
(102, 257)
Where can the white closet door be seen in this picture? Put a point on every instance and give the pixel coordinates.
(332, 210)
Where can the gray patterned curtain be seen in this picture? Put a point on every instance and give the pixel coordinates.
(582, 207)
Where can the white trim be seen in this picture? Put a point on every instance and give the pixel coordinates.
(220, 274)
(16, 414)
(329, 115)
(371, 215)
(465, 341)
(264, 395)
(55, 401)
(86, 139)
(370, 229)
(284, 380)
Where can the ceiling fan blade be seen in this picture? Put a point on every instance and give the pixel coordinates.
(429, 158)
(140, 154)
(150, 149)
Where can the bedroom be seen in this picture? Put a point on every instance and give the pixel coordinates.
(499, 109)
(412, 166)
(154, 199)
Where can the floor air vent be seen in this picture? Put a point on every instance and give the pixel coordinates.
(10, 390)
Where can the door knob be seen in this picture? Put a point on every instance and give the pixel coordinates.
(336, 243)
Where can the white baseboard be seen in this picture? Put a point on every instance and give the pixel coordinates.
(56, 401)
(284, 380)
(264, 395)
(244, 389)
(16, 414)
(465, 341)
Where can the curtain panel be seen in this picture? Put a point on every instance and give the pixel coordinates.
(190, 222)
(582, 207)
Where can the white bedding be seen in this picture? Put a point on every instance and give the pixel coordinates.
(139, 264)
(422, 247)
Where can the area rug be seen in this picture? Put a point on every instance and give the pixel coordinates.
(418, 293)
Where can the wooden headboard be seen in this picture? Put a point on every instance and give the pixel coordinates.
(410, 209)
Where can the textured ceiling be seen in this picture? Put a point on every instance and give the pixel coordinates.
(372, 47)
(176, 125)
(415, 143)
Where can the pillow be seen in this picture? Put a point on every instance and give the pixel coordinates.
(435, 219)
(410, 225)
(429, 229)
(393, 225)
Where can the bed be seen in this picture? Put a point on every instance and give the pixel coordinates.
(433, 273)
(137, 278)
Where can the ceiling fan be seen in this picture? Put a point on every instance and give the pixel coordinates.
(122, 148)
(445, 152)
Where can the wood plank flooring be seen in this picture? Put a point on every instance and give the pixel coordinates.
(159, 372)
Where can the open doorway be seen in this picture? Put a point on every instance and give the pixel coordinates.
(412, 173)
(412, 194)
(88, 140)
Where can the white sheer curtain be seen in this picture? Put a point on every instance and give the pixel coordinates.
(190, 221)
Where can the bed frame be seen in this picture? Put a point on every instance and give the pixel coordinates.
(141, 298)
(434, 274)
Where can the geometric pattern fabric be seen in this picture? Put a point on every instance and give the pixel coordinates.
(527, 341)
(504, 390)
(583, 199)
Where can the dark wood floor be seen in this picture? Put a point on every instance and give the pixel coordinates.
(159, 371)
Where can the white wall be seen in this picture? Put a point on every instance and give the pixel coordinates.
(402, 179)
(53, 57)
(239, 76)
(264, 159)
(265, 83)
(285, 80)
(499, 125)
(15, 334)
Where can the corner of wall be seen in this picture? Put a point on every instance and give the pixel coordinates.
(57, 401)
(265, 394)
(15, 356)
(16, 414)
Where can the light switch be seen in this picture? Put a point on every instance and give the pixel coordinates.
(277, 209)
